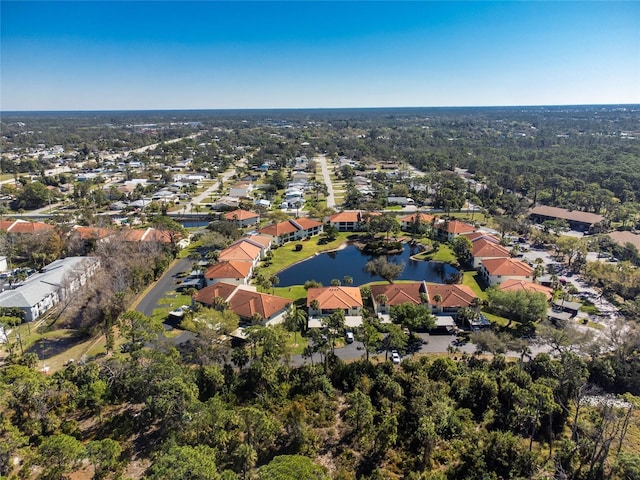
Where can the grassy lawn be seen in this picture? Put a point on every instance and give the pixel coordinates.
(286, 255)
(470, 279)
(171, 301)
(498, 320)
(297, 293)
(443, 254)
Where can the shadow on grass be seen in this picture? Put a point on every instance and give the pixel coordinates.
(46, 348)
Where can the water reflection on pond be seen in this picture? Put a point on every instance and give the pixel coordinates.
(350, 262)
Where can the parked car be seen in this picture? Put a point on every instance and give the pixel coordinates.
(395, 357)
(349, 338)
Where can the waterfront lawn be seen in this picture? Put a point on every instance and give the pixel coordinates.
(286, 255)
(443, 254)
(296, 293)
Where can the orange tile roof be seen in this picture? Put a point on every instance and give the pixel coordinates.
(514, 284)
(150, 235)
(242, 252)
(348, 216)
(263, 240)
(93, 233)
(474, 236)
(278, 229)
(424, 218)
(240, 214)
(218, 289)
(335, 297)
(457, 227)
(486, 248)
(507, 267)
(242, 301)
(399, 293)
(230, 269)
(22, 226)
(246, 303)
(306, 223)
(452, 296)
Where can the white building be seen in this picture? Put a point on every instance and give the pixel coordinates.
(52, 285)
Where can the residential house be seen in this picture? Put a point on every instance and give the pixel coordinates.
(89, 237)
(577, 220)
(622, 238)
(447, 230)
(151, 234)
(242, 218)
(290, 230)
(347, 221)
(407, 222)
(513, 285)
(484, 248)
(498, 270)
(241, 252)
(52, 285)
(332, 299)
(449, 298)
(241, 190)
(261, 241)
(23, 227)
(237, 272)
(246, 302)
(386, 296)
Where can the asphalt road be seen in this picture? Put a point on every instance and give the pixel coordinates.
(165, 284)
(355, 350)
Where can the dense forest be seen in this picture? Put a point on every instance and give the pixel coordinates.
(232, 415)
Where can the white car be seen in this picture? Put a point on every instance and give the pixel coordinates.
(395, 357)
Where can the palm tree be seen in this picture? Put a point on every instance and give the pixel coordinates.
(348, 280)
(219, 303)
(315, 305)
(296, 320)
(436, 300)
(382, 299)
(275, 281)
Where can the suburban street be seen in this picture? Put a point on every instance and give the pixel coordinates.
(322, 160)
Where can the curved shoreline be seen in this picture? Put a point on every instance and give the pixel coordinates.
(342, 246)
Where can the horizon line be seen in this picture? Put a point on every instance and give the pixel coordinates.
(229, 109)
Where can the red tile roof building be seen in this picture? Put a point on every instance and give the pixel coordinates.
(291, 230)
(242, 218)
(331, 299)
(230, 272)
(513, 285)
(245, 302)
(20, 227)
(498, 270)
(397, 294)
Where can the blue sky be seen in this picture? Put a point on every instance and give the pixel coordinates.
(91, 55)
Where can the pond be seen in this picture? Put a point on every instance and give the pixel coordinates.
(351, 261)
